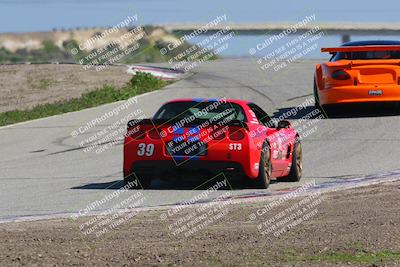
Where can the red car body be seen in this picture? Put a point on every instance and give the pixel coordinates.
(154, 146)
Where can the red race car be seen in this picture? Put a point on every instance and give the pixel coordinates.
(233, 137)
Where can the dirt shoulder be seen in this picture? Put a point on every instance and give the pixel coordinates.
(357, 227)
(25, 86)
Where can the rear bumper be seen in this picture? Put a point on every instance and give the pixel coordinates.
(219, 159)
(164, 169)
(359, 94)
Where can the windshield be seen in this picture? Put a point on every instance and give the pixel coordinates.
(365, 55)
(213, 111)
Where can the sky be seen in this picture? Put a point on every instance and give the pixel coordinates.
(42, 15)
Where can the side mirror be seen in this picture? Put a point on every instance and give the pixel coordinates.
(283, 125)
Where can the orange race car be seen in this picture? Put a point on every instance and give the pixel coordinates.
(359, 72)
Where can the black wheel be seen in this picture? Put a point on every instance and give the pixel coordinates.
(317, 104)
(316, 97)
(297, 163)
(265, 169)
(143, 182)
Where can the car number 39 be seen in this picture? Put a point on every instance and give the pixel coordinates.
(235, 146)
(145, 149)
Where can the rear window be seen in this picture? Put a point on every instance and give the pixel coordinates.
(366, 55)
(200, 111)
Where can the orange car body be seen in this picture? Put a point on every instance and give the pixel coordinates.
(359, 74)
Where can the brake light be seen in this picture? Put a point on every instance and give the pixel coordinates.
(218, 135)
(340, 75)
(154, 134)
(136, 132)
(236, 134)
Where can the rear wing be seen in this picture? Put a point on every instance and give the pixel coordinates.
(332, 50)
(163, 122)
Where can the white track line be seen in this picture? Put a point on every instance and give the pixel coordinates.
(343, 185)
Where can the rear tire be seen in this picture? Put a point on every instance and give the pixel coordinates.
(317, 103)
(297, 163)
(265, 168)
(316, 98)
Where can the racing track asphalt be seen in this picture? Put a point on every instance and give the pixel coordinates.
(43, 170)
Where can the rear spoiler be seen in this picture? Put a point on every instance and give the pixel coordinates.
(158, 122)
(332, 50)
(135, 122)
